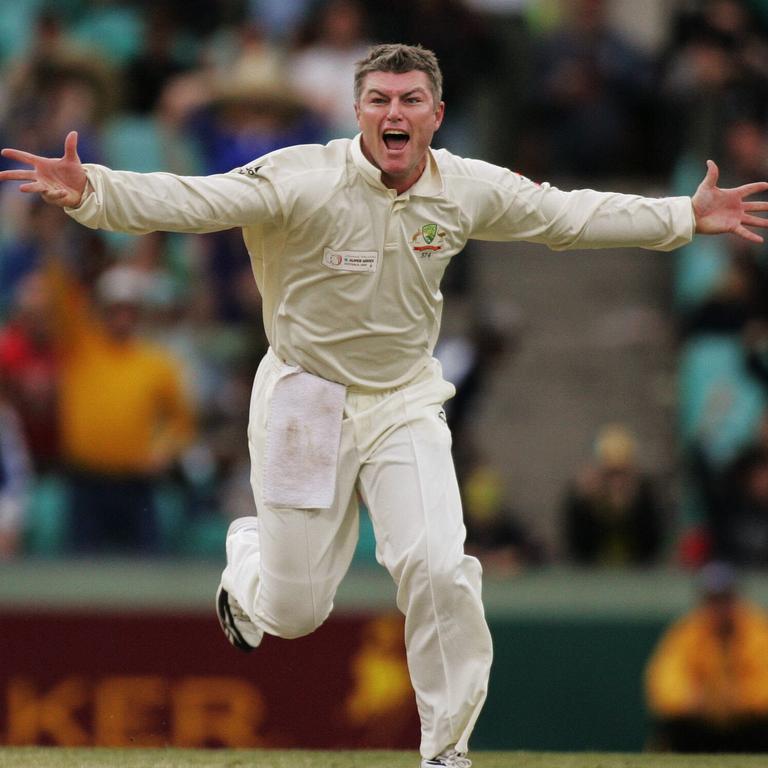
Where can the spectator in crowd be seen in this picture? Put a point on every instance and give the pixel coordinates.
(56, 84)
(707, 680)
(15, 479)
(494, 534)
(252, 110)
(723, 326)
(713, 72)
(470, 359)
(611, 513)
(588, 98)
(124, 417)
(738, 297)
(736, 503)
(281, 19)
(745, 145)
(322, 71)
(715, 467)
(146, 74)
(28, 370)
(756, 345)
(744, 532)
(457, 33)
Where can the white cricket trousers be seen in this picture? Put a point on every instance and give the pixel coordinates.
(284, 566)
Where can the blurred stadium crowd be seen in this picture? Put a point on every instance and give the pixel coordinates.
(126, 363)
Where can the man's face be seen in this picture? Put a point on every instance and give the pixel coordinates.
(398, 117)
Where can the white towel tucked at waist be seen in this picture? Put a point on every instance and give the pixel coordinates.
(303, 437)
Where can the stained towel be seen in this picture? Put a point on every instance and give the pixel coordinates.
(303, 436)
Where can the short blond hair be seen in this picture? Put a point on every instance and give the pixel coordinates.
(399, 58)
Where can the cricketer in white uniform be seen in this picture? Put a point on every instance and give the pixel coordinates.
(348, 243)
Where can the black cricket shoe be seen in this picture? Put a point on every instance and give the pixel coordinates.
(241, 632)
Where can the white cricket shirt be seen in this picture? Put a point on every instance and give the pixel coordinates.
(349, 271)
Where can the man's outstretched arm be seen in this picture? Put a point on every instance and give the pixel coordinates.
(585, 218)
(137, 203)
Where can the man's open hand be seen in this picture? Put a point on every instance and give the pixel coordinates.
(726, 210)
(60, 181)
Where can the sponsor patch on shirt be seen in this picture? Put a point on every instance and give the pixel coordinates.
(351, 261)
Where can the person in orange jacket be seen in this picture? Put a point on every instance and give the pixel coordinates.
(707, 680)
(124, 416)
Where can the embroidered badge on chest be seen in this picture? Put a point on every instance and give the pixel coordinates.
(428, 239)
(351, 261)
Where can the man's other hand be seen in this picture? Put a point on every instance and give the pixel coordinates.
(60, 181)
(719, 211)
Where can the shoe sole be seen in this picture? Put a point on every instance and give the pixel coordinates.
(227, 622)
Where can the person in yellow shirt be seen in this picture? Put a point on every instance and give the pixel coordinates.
(707, 680)
(124, 416)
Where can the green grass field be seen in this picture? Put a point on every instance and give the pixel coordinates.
(15, 757)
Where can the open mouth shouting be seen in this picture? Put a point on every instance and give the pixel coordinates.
(395, 139)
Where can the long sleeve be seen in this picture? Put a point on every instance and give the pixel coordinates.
(137, 203)
(514, 208)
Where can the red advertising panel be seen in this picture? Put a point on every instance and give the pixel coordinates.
(156, 679)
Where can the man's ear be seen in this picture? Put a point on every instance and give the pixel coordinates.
(439, 114)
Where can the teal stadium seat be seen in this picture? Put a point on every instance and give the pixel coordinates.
(17, 22)
(116, 31)
(136, 143)
(45, 529)
(720, 403)
(139, 143)
(699, 268)
(133, 143)
(365, 552)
